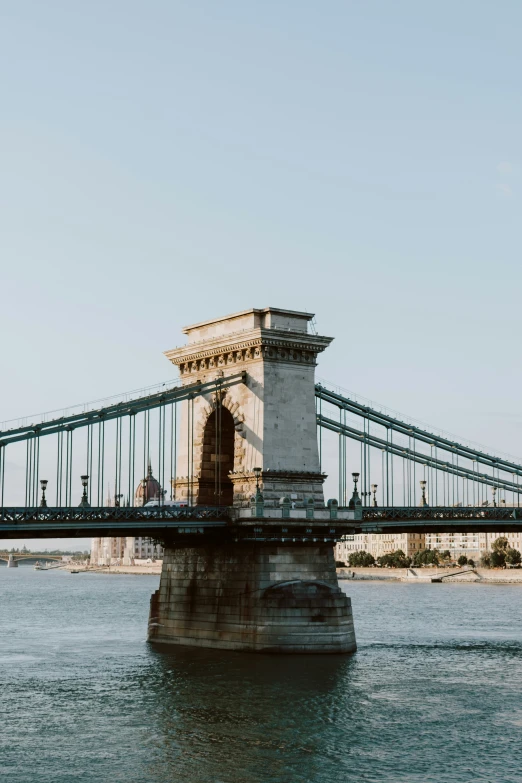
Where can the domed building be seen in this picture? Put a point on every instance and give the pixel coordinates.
(148, 489)
(124, 551)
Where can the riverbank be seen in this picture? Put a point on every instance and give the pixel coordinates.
(138, 570)
(487, 575)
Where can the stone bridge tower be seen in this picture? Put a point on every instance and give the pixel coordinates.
(267, 581)
(267, 422)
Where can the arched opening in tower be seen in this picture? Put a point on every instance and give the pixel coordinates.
(215, 485)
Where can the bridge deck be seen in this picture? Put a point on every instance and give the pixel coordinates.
(20, 522)
(441, 519)
(157, 522)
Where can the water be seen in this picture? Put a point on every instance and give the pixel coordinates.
(433, 694)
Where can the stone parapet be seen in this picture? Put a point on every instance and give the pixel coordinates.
(298, 486)
(296, 515)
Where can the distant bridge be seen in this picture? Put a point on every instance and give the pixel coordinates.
(18, 556)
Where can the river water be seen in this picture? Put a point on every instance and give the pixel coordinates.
(433, 693)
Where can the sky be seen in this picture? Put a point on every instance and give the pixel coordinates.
(162, 163)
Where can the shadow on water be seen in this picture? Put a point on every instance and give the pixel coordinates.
(236, 717)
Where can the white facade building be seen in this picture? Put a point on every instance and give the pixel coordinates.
(472, 545)
(379, 544)
(108, 551)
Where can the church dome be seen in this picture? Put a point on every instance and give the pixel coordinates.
(148, 489)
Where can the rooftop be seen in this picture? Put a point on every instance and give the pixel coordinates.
(265, 318)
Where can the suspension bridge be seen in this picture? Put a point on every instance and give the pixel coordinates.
(241, 443)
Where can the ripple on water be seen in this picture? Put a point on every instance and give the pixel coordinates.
(432, 695)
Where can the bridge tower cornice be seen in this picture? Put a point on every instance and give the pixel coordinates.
(271, 334)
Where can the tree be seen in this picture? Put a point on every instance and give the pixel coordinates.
(340, 564)
(485, 560)
(360, 559)
(463, 560)
(426, 557)
(500, 544)
(513, 557)
(395, 559)
(446, 555)
(471, 563)
(497, 559)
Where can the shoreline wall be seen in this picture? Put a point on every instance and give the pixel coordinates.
(491, 575)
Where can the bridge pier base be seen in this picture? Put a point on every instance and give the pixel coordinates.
(253, 598)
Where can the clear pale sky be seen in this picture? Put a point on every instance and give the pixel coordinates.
(166, 162)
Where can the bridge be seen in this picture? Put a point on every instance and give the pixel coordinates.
(29, 557)
(241, 443)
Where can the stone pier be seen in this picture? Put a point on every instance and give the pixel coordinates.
(268, 582)
(255, 598)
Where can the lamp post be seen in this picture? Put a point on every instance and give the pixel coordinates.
(84, 503)
(257, 474)
(43, 484)
(355, 500)
(494, 493)
(423, 502)
(374, 492)
(257, 503)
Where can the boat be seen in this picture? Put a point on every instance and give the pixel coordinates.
(39, 567)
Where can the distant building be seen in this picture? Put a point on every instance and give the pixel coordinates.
(487, 539)
(125, 550)
(106, 550)
(458, 544)
(379, 544)
(471, 545)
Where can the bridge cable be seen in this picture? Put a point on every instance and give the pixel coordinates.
(116, 466)
(59, 447)
(37, 471)
(192, 452)
(2, 474)
(383, 419)
(448, 468)
(320, 438)
(90, 430)
(132, 457)
(26, 472)
(173, 448)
